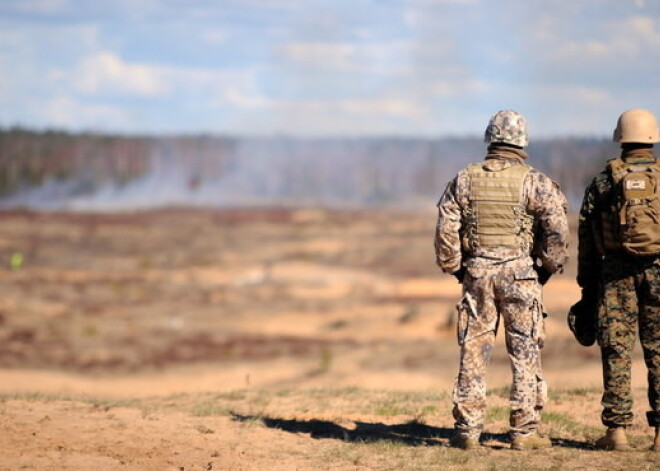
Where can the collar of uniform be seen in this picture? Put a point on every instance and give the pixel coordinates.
(499, 151)
(638, 156)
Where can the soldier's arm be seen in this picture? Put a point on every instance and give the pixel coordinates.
(549, 206)
(447, 231)
(589, 260)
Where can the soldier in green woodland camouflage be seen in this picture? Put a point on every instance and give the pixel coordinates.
(619, 271)
(495, 220)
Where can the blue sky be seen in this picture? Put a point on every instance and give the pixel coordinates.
(326, 67)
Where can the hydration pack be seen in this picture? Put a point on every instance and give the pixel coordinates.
(637, 206)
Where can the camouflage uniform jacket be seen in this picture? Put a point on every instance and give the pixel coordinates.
(598, 200)
(541, 197)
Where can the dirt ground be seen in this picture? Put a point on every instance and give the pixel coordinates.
(256, 339)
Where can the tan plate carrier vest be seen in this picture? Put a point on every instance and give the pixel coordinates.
(496, 216)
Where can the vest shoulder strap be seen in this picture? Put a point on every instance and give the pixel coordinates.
(497, 184)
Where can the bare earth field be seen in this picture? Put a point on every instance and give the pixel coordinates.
(259, 340)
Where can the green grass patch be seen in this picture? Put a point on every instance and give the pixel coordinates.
(502, 391)
(54, 397)
(562, 424)
(209, 409)
(494, 414)
(568, 394)
(390, 407)
(237, 395)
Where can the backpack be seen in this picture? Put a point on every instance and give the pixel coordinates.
(638, 206)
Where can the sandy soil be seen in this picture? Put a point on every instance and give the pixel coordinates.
(159, 306)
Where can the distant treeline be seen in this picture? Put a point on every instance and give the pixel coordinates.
(59, 170)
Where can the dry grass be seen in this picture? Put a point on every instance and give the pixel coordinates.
(340, 429)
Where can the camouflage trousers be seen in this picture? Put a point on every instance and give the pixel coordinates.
(514, 295)
(630, 303)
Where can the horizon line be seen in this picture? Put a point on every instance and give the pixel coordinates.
(275, 135)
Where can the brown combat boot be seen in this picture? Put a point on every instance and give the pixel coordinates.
(464, 442)
(530, 441)
(614, 439)
(656, 442)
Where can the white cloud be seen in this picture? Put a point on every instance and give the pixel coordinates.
(105, 72)
(385, 56)
(387, 106)
(374, 107)
(331, 55)
(412, 18)
(622, 41)
(575, 94)
(105, 75)
(301, 65)
(450, 88)
(645, 28)
(25, 43)
(240, 99)
(434, 3)
(573, 110)
(213, 88)
(434, 18)
(273, 4)
(215, 36)
(68, 112)
(41, 6)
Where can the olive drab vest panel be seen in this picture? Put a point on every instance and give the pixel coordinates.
(496, 216)
(634, 221)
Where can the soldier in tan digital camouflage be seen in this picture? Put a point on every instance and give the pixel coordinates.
(496, 220)
(619, 271)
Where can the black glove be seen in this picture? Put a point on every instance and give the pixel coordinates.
(590, 295)
(459, 274)
(542, 273)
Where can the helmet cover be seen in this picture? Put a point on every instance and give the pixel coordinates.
(507, 127)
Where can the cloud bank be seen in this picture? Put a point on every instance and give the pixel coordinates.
(314, 68)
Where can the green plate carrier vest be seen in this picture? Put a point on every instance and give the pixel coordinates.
(496, 216)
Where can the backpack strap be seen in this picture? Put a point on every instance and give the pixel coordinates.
(617, 168)
(655, 166)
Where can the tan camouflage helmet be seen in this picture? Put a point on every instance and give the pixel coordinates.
(507, 127)
(637, 125)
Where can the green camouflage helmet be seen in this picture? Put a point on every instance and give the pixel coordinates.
(507, 127)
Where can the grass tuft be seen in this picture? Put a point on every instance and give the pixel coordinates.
(561, 425)
(209, 409)
(377, 429)
(502, 391)
(497, 413)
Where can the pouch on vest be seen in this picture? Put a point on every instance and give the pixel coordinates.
(525, 273)
(638, 206)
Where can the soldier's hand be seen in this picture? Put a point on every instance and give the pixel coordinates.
(543, 274)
